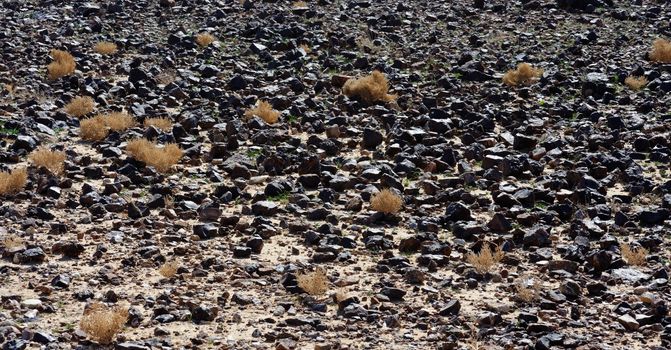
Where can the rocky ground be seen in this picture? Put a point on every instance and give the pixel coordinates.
(560, 175)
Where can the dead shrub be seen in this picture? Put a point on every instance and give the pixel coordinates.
(524, 74)
(168, 269)
(661, 51)
(634, 256)
(369, 89)
(313, 283)
(386, 201)
(148, 152)
(265, 111)
(204, 39)
(162, 123)
(105, 48)
(485, 259)
(63, 64)
(80, 106)
(54, 161)
(636, 83)
(118, 121)
(528, 289)
(14, 181)
(101, 322)
(93, 129)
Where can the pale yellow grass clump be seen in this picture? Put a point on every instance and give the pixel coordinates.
(118, 121)
(265, 111)
(162, 123)
(313, 283)
(486, 259)
(63, 64)
(54, 161)
(523, 75)
(636, 83)
(528, 289)
(168, 269)
(105, 48)
(386, 201)
(299, 4)
(369, 89)
(204, 39)
(634, 256)
(161, 158)
(661, 51)
(97, 128)
(93, 129)
(101, 323)
(14, 181)
(80, 106)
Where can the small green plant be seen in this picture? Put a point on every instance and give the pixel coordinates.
(281, 198)
(458, 75)
(8, 131)
(253, 153)
(292, 119)
(541, 205)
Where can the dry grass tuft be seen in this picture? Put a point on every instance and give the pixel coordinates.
(14, 181)
(528, 289)
(265, 111)
(168, 269)
(105, 48)
(486, 259)
(204, 39)
(313, 283)
(161, 158)
(634, 256)
(118, 121)
(523, 75)
(386, 201)
(661, 51)
(63, 64)
(162, 123)
(101, 323)
(305, 48)
(13, 243)
(54, 161)
(636, 83)
(93, 129)
(80, 106)
(299, 4)
(369, 89)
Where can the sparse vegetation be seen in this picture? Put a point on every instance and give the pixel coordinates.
(636, 83)
(54, 161)
(80, 106)
(386, 201)
(265, 111)
(93, 129)
(169, 269)
(524, 74)
(162, 123)
(161, 158)
(204, 39)
(313, 283)
(528, 289)
(63, 64)
(661, 51)
(634, 256)
(14, 181)
(485, 259)
(105, 48)
(369, 89)
(102, 323)
(118, 121)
